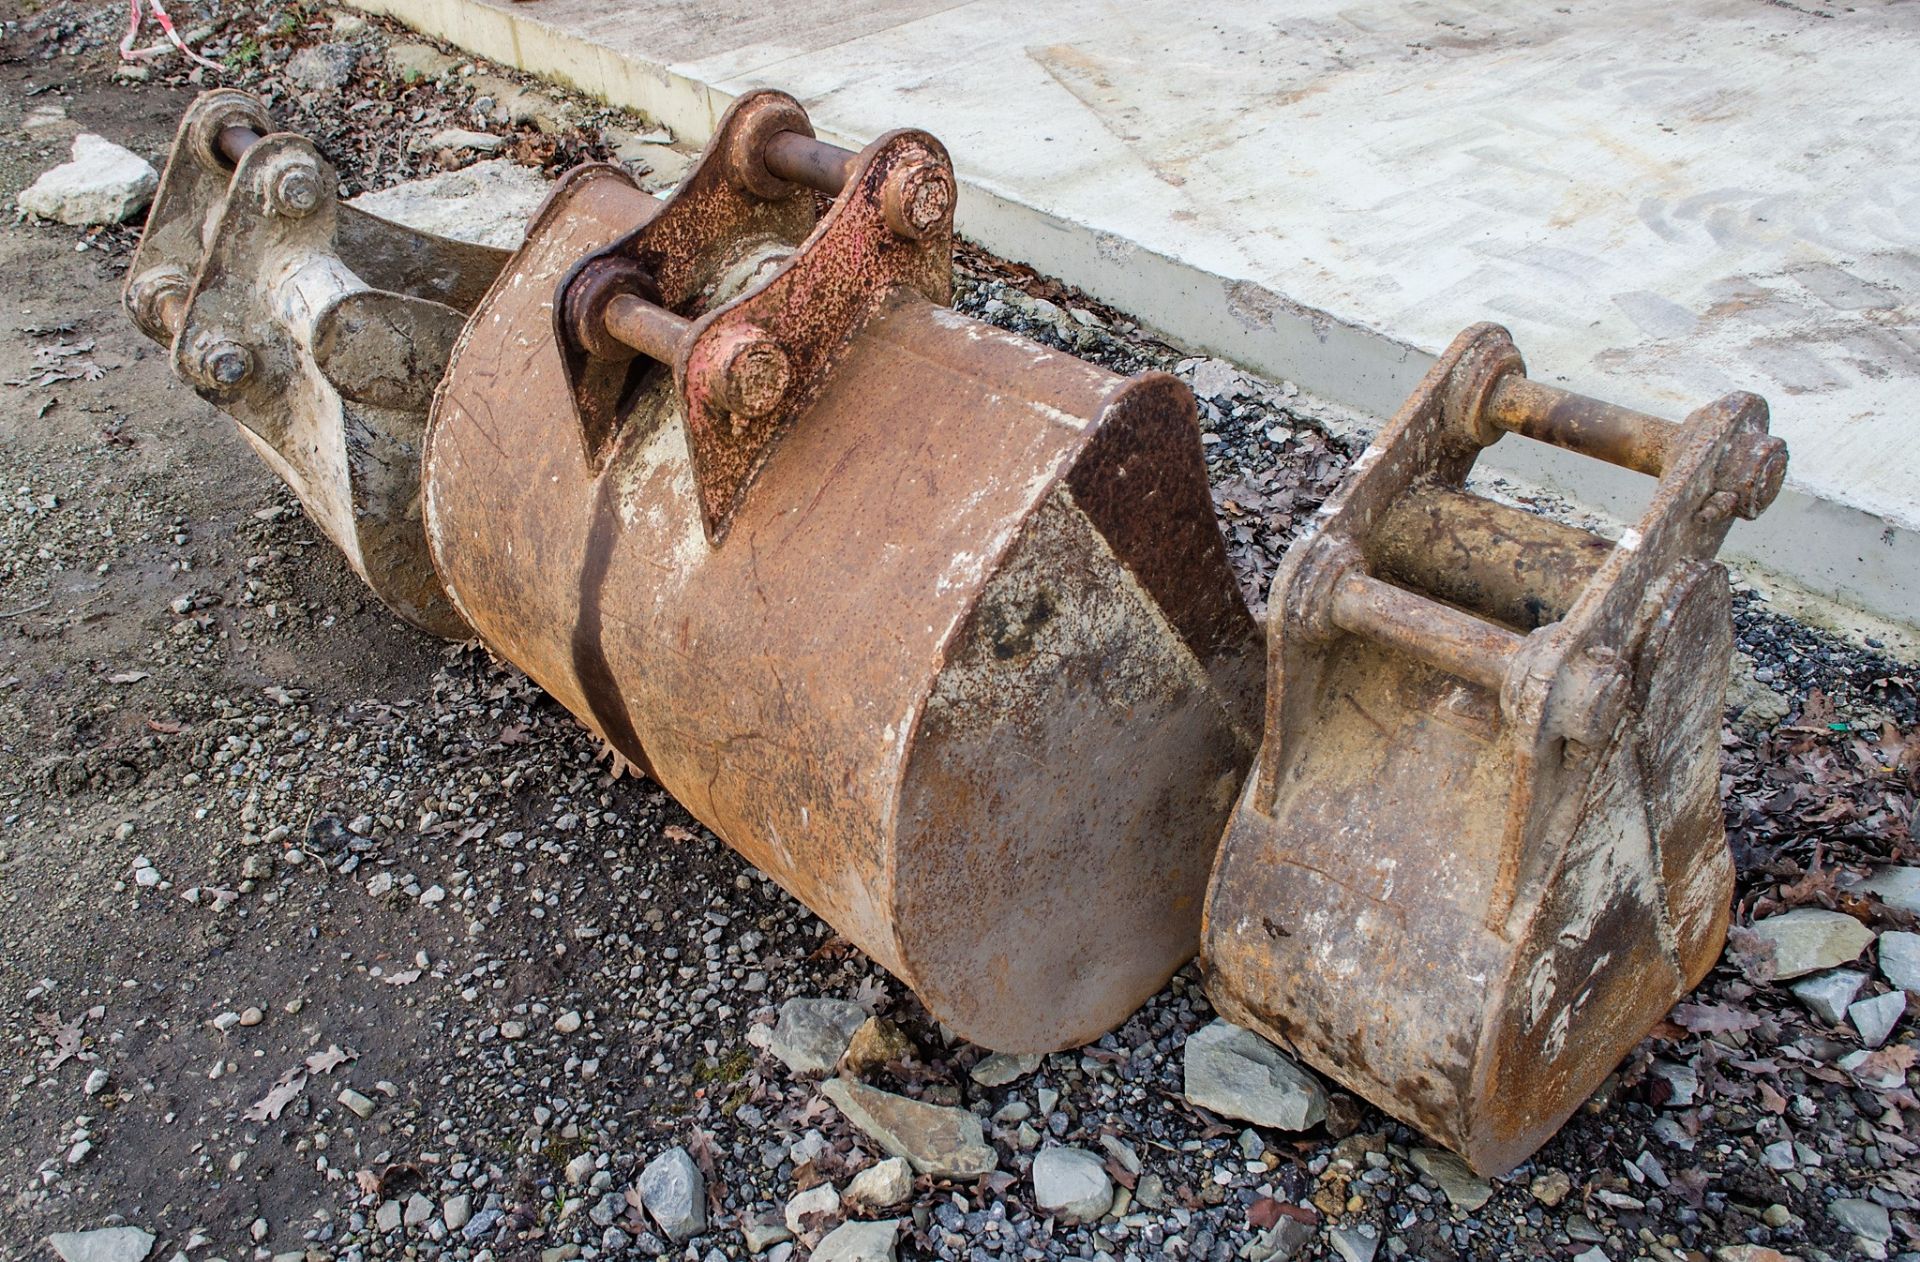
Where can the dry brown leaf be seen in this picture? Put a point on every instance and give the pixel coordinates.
(1750, 953)
(331, 1059)
(283, 1092)
(1894, 1058)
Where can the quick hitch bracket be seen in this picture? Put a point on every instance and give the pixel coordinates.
(748, 366)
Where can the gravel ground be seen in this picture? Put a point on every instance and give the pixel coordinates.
(328, 941)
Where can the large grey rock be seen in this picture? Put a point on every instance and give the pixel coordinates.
(858, 1242)
(675, 1195)
(1072, 1184)
(488, 203)
(812, 1034)
(1828, 994)
(1809, 939)
(1876, 1017)
(323, 67)
(100, 183)
(1900, 960)
(881, 1185)
(1896, 887)
(1465, 1189)
(942, 1142)
(1236, 1073)
(107, 1244)
(1862, 1218)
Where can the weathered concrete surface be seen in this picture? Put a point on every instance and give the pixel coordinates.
(488, 203)
(1661, 210)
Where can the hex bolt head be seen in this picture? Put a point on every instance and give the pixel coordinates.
(917, 198)
(295, 190)
(755, 374)
(222, 364)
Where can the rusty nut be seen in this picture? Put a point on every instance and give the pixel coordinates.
(750, 372)
(220, 363)
(917, 198)
(294, 188)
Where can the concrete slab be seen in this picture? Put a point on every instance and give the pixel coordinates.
(1663, 204)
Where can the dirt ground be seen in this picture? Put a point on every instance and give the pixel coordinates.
(124, 494)
(248, 817)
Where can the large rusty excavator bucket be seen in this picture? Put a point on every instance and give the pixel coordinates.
(321, 329)
(1481, 852)
(932, 624)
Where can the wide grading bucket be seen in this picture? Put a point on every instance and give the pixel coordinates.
(932, 624)
(1481, 852)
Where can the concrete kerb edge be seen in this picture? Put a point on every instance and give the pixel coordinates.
(521, 40)
(1823, 548)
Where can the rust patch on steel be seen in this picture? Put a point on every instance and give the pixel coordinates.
(805, 313)
(725, 210)
(1485, 820)
(748, 360)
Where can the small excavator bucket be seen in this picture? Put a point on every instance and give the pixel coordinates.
(1481, 851)
(321, 329)
(932, 624)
